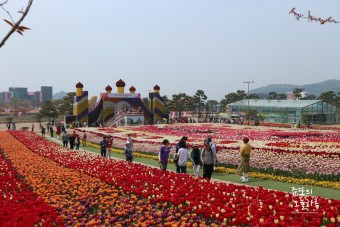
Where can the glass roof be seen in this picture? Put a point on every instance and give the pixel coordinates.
(275, 103)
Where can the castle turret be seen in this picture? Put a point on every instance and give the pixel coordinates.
(80, 104)
(132, 90)
(156, 88)
(79, 89)
(108, 89)
(120, 86)
(157, 105)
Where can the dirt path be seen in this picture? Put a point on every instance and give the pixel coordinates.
(19, 126)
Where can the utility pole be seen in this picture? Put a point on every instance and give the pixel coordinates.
(248, 82)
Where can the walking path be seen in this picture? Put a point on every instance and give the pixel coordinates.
(116, 156)
(225, 178)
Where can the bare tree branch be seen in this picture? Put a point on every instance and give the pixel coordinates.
(9, 14)
(17, 24)
(311, 18)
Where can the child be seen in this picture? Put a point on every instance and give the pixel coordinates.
(163, 155)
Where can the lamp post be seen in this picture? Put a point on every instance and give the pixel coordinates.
(248, 82)
(217, 110)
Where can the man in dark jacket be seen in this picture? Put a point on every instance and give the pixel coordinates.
(103, 145)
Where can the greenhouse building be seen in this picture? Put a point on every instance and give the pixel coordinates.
(287, 111)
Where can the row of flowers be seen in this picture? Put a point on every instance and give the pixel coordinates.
(255, 173)
(228, 204)
(326, 142)
(19, 206)
(285, 125)
(79, 199)
(316, 165)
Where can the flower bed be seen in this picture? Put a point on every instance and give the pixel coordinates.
(82, 200)
(306, 154)
(18, 205)
(202, 201)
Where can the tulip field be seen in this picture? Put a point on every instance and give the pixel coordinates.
(300, 156)
(44, 184)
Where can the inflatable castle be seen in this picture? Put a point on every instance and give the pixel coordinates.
(113, 109)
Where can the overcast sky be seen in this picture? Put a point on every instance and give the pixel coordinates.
(181, 45)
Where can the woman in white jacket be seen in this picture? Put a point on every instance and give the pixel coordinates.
(182, 155)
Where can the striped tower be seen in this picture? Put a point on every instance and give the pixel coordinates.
(80, 104)
(108, 107)
(157, 104)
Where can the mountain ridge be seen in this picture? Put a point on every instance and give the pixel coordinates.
(59, 95)
(311, 89)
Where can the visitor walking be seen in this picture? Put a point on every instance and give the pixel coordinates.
(77, 142)
(74, 134)
(51, 130)
(128, 152)
(182, 155)
(58, 132)
(43, 131)
(64, 138)
(103, 145)
(309, 125)
(213, 148)
(208, 160)
(71, 139)
(109, 141)
(129, 139)
(84, 138)
(32, 127)
(195, 157)
(185, 139)
(245, 152)
(163, 155)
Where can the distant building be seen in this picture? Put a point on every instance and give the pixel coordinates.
(37, 97)
(4, 97)
(46, 93)
(34, 97)
(291, 96)
(18, 92)
(288, 111)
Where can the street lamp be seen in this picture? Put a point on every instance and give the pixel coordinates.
(217, 110)
(248, 82)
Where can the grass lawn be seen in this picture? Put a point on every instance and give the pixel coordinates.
(256, 182)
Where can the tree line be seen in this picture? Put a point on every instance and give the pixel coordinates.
(181, 102)
(199, 102)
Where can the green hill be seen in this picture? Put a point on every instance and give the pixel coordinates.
(311, 89)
